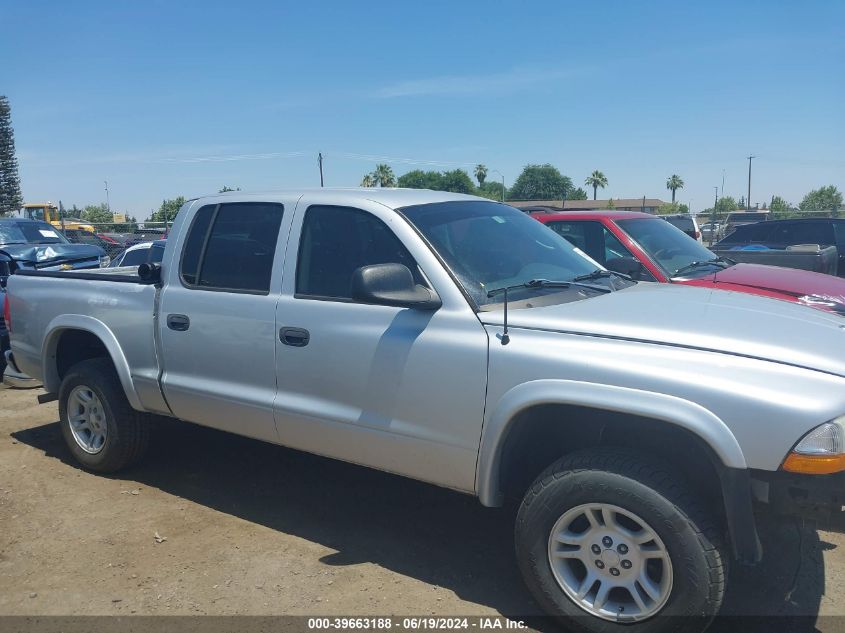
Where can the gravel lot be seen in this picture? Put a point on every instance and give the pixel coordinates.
(250, 528)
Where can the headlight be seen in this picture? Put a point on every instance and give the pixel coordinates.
(821, 451)
(105, 260)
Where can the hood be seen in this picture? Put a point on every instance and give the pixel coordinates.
(789, 281)
(43, 255)
(713, 320)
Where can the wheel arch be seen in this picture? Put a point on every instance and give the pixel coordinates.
(715, 457)
(74, 337)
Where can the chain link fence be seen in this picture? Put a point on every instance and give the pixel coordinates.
(113, 237)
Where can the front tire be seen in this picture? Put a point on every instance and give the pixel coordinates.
(104, 433)
(606, 539)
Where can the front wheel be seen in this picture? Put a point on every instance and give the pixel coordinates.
(606, 539)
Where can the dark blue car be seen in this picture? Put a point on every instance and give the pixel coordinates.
(35, 245)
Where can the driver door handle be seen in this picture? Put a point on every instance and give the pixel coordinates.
(294, 336)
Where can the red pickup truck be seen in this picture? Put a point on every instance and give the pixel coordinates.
(650, 249)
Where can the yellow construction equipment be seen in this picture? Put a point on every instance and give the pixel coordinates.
(48, 212)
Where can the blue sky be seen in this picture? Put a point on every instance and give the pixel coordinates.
(180, 98)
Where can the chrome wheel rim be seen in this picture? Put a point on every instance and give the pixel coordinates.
(87, 419)
(610, 562)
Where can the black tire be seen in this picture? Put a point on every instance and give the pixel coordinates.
(128, 431)
(632, 481)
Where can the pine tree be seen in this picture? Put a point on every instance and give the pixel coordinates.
(10, 183)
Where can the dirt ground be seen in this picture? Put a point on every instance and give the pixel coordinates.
(250, 528)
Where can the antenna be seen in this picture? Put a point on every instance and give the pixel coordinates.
(320, 163)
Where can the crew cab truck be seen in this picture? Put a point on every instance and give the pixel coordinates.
(458, 341)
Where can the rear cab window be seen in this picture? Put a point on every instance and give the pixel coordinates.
(747, 233)
(803, 232)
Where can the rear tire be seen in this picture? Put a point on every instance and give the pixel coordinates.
(104, 433)
(587, 515)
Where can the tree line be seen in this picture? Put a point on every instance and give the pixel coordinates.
(535, 182)
(824, 199)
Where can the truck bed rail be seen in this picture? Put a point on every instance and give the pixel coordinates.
(120, 277)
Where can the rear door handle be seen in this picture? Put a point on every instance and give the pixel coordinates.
(178, 322)
(294, 336)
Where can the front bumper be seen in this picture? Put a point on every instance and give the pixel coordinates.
(808, 496)
(14, 377)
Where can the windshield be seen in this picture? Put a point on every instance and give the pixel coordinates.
(29, 233)
(34, 213)
(488, 245)
(668, 246)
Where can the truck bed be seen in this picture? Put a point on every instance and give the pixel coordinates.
(114, 303)
(823, 261)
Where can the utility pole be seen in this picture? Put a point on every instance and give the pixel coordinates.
(108, 206)
(320, 163)
(722, 192)
(748, 202)
(713, 216)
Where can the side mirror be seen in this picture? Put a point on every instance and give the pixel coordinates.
(392, 285)
(626, 265)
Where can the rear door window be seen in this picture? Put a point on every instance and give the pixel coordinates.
(194, 243)
(232, 246)
(591, 237)
(581, 234)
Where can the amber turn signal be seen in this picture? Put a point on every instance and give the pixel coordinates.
(814, 464)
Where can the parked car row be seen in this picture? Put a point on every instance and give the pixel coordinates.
(780, 236)
(648, 249)
(36, 245)
(115, 243)
(644, 428)
(142, 253)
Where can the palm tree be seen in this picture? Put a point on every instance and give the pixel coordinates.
(384, 176)
(674, 182)
(368, 181)
(480, 174)
(596, 180)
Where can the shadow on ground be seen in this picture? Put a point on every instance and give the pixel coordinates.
(427, 533)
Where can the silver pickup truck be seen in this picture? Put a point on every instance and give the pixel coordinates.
(457, 341)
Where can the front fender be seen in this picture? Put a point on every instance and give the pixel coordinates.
(658, 406)
(102, 332)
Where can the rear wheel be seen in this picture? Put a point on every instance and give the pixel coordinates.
(605, 539)
(101, 429)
